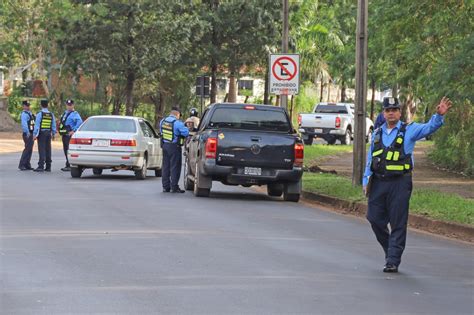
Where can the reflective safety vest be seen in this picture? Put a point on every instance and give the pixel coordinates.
(46, 121)
(391, 161)
(31, 121)
(63, 129)
(167, 132)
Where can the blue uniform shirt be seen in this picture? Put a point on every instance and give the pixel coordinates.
(74, 120)
(179, 129)
(379, 121)
(413, 133)
(38, 122)
(25, 118)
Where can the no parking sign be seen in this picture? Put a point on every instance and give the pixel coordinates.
(284, 74)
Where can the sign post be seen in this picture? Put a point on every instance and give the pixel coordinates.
(284, 74)
(202, 88)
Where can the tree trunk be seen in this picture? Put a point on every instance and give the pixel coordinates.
(129, 94)
(232, 88)
(291, 107)
(117, 104)
(372, 101)
(266, 93)
(343, 91)
(321, 90)
(277, 100)
(329, 91)
(213, 81)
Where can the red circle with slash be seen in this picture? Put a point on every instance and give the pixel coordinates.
(290, 75)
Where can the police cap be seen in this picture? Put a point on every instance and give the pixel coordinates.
(44, 103)
(25, 103)
(390, 102)
(69, 102)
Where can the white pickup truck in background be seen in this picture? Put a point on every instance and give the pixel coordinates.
(331, 122)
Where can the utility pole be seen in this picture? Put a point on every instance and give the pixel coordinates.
(358, 159)
(284, 47)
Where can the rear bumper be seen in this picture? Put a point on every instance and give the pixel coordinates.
(322, 132)
(235, 174)
(105, 159)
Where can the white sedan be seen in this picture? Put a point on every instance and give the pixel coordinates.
(117, 143)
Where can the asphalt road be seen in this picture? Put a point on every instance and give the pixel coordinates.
(115, 245)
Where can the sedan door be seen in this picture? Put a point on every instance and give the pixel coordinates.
(149, 140)
(157, 144)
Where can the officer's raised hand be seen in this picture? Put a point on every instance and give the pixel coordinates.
(443, 106)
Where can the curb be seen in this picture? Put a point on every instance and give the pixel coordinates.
(459, 231)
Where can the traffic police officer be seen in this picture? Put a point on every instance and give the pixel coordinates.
(27, 126)
(173, 131)
(389, 171)
(45, 129)
(69, 123)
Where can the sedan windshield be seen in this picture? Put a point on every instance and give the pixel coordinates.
(109, 125)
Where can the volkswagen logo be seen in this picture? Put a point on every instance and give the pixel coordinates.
(255, 148)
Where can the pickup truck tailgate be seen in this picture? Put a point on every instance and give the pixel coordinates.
(318, 120)
(253, 148)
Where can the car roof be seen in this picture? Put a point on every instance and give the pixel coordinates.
(335, 104)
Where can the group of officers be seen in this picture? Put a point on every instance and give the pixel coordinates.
(387, 180)
(42, 128)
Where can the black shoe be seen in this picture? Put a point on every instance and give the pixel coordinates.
(178, 191)
(29, 168)
(22, 168)
(166, 190)
(390, 268)
(47, 170)
(66, 169)
(38, 169)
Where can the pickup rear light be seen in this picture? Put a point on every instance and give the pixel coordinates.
(80, 141)
(211, 148)
(299, 119)
(123, 143)
(299, 154)
(250, 107)
(338, 122)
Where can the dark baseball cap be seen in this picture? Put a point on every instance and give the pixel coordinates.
(390, 102)
(44, 103)
(25, 103)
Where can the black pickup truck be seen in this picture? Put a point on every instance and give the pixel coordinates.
(244, 144)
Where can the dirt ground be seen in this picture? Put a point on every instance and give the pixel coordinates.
(11, 142)
(425, 174)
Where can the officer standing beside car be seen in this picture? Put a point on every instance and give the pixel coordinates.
(45, 129)
(27, 125)
(173, 132)
(69, 123)
(388, 176)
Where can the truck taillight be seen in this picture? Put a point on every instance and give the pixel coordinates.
(299, 119)
(211, 148)
(338, 122)
(123, 143)
(80, 141)
(299, 154)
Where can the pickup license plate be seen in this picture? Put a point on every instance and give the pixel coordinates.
(253, 171)
(100, 143)
(318, 130)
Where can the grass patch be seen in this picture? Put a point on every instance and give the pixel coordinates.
(317, 151)
(434, 204)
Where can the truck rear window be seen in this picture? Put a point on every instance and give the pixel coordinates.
(109, 125)
(331, 109)
(256, 119)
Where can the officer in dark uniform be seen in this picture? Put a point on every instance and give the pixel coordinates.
(173, 132)
(27, 126)
(68, 124)
(45, 129)
(388, 176)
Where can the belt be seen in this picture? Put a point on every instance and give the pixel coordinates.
(390, 178)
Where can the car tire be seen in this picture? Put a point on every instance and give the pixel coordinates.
(76, 172)
(346, 139)
(331, 140)
(308, 141)
(292, 191)
(158, 172)
(188, 184)
(291, 197)
(97, 171)
(141, 173)
(275, 190)
(199, 191)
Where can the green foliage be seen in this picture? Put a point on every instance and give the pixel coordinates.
(332, 185)
(316, 152)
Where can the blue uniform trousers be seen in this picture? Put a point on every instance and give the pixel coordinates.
(171, 168)
(388, 203)
(27, 151)
(44, 149)
(66, 139)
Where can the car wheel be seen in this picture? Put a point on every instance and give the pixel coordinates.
(76, 172)
(331, 140)
(199, 191)
(275, 190)
(346, 139)
(308, 141)
(292, 191)
(97, 171)
(141, 173)
(158, 172)
(188, 184)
